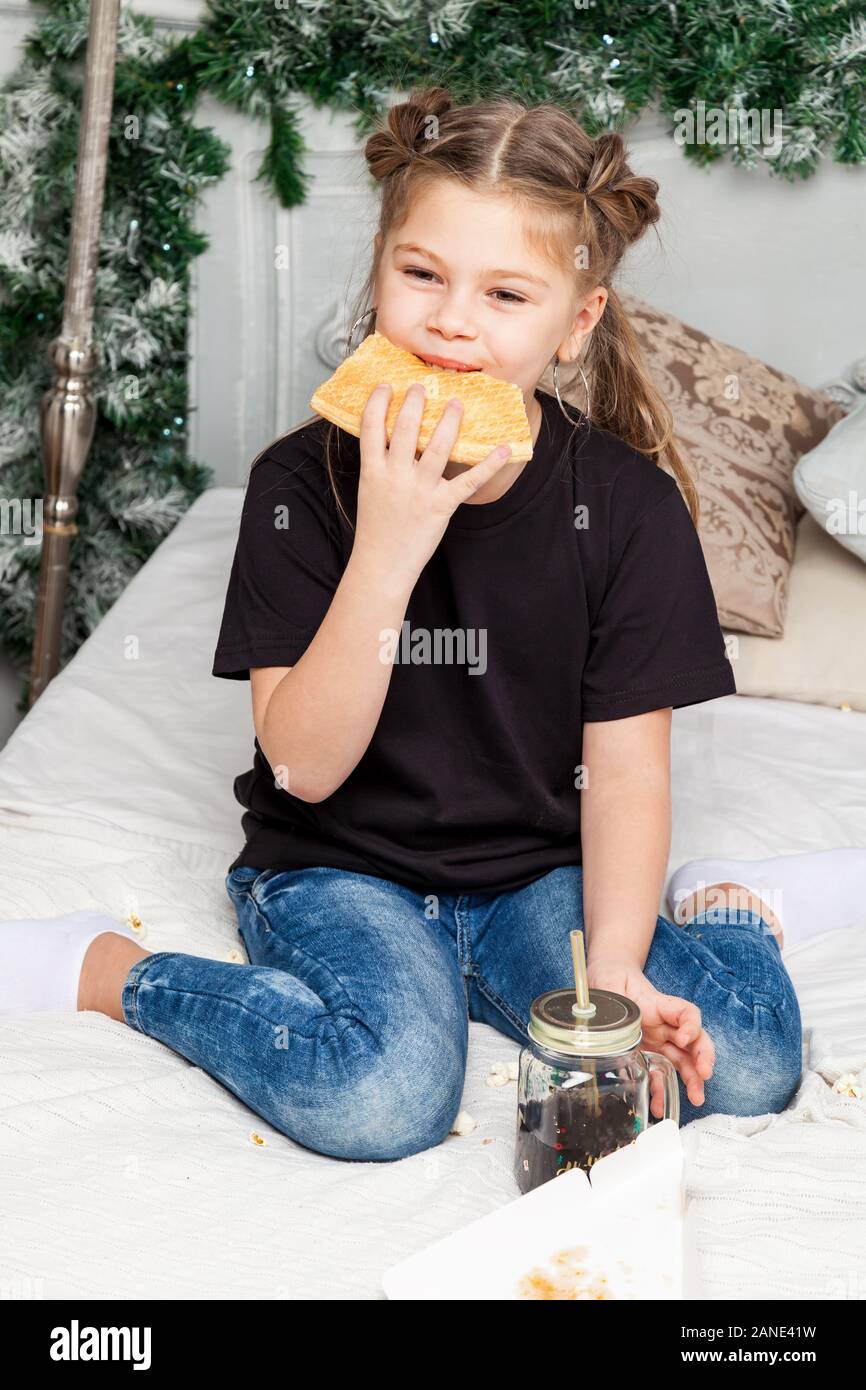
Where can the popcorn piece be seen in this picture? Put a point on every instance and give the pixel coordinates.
(847, 1086)
(498, 1074)
(464, 1124)
(135, 923)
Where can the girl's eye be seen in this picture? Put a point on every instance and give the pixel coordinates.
(510, 296)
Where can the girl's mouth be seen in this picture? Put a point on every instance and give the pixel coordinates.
(449, 362)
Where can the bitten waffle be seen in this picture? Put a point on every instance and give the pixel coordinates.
(493, 410)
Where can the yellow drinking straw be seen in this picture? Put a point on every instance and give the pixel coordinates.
(582, 1008)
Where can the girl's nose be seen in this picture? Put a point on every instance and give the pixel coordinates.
(456, 336)
(452, 318)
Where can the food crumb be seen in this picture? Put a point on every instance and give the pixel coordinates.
(136, 924)
(570, 1280)
(847, 1086)
(464, 1124)
(498, 1074)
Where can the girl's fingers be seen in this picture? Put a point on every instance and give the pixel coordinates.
(678, 1012)
(693, 1038)
(434, 458)
(657, 1094)
(673, 1018)
(475, 477)
(692, 1079)
(373, 436)
(681, 1024)
(698, 1046)
(704, 1053)
(404, 436)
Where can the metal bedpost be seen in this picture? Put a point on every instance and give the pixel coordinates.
(68, 415)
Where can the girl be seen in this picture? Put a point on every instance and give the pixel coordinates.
(462, 684)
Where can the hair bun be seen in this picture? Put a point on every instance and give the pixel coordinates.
(433, 101)
(406, 130)
(627, 200)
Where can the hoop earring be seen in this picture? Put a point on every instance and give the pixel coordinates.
(349, 348)
(559, 398)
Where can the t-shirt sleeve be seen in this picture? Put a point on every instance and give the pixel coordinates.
(285, 570)
(656, 641)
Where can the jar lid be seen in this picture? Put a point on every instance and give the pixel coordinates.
(614, 1027)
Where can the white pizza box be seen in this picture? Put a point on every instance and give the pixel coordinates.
(622, 1235)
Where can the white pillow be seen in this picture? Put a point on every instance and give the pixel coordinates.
(822, 656)
(830, 481)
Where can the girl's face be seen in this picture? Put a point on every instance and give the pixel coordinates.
(459, 281)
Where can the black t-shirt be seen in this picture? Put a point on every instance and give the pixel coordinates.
(581, 594)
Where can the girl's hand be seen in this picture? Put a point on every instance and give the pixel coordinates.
(671, 1026)
(404, 503)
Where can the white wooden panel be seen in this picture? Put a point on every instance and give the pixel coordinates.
(272, 294)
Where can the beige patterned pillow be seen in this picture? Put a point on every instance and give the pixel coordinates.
(816, 660)
(742, 453)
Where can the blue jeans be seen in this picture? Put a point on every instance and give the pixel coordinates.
(348, 1030)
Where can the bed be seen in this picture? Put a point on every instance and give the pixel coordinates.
(126, 1172)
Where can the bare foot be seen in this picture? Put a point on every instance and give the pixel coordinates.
(107, 962)
(730, 895)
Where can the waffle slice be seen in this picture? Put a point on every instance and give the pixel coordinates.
(493, 410)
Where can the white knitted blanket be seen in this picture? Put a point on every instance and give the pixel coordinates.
(125, 1172)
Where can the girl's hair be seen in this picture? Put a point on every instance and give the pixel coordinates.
(584, 207)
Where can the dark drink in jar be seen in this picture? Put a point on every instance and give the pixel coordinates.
(583, 1086)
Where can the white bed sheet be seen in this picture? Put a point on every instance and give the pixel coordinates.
(127, 1172)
